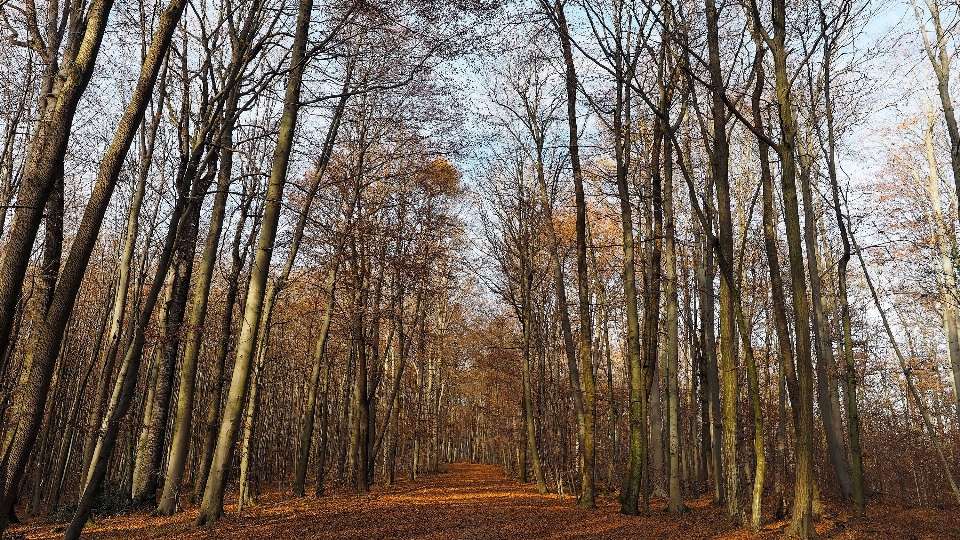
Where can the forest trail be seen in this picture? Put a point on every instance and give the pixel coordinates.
(469, 502)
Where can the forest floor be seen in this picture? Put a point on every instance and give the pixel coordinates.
(479, 502)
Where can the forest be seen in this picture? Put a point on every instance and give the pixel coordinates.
(479, 269)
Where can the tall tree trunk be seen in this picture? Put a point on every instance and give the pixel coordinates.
(635, 484)
(126, 383)
(109, 355)
(850, 374)
(802, 521)
(671, 343)
(587, 419)
(212, 506)
(570, 347)
(35, 381)
(64, 82)
(719, 165)
(306, 433)
(211, 423)
(155, 426)
(180, 439)
(827, 396)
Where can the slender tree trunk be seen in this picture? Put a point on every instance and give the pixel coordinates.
(570, 348)
(635, 484)
(123, 390)
(180, 440)
(850, 374)
(212, 506)
(528, 413)
(322, 450)
(109, 355)
(719, 165)
(587, 419)
(211, 423)
(671, 342)
(319, 355)
(245, 497)
(306, 433)
(827, 398)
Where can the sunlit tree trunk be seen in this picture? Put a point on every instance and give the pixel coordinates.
(211, 423)
(64, 81)
(719, 169)
(940, 57)
(212, 506)
(802, 522)
(588, 418)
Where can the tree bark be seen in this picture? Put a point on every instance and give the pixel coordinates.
(35, 381)
(212, 506)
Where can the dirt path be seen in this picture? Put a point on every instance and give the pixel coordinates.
(478, 502)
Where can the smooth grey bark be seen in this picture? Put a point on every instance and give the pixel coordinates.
(212, 506)
(826, 368)
(850, 374)
(180, 439)
(239, 251)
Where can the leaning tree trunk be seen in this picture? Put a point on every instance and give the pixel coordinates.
(907, 373)
(108, 357)
(211, 424)
(211, 508)
(126, 384)
(306, 433)
(155, 427)
(180, 439)
(62, 89)
(42, 354)
(827, 397)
